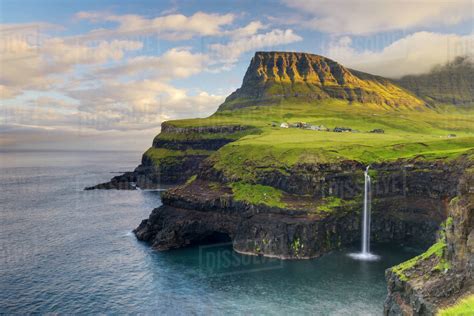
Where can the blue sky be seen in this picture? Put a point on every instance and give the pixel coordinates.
(105, 74)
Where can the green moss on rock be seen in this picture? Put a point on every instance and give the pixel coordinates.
(257, 194)
(436, 250)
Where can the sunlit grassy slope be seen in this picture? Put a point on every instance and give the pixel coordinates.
(464, 307)
(408, 133)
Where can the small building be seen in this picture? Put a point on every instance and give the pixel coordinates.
(317, 128)
(451, 135)
(299, 125)
(377, 131)
(284, 125)
(342, 129)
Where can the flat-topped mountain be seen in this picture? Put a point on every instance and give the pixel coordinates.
(272, 76)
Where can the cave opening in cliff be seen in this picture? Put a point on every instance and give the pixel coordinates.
(211, 238)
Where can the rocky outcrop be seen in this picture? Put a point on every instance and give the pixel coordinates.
(408, 207)
(438, 278)
(175, 155)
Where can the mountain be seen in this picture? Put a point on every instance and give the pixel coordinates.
(272, 76)
(300, 87)
(452, 83)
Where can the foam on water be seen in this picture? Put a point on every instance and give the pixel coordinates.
(367, 256)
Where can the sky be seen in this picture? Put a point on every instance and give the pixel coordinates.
(103, 75)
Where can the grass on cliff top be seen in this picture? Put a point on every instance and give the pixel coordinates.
(257, 194)
(408, 133)
(333, 112)
(163, 155)
(283, 148)
(463, 307)
(436, 250)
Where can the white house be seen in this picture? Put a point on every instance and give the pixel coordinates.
(284, 125)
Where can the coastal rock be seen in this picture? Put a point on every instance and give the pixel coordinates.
(439, 279)
(410, 214)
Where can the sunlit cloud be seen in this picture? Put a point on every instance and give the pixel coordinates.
(414, 54)
(368, 17)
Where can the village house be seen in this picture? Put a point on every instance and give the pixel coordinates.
(284, 125)
(318, 128)
(342, 129)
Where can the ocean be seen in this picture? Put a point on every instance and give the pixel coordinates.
(66, 250)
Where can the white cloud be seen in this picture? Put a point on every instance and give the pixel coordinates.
(140, 104)
(415, 54)
(174, 63)
(248, 30)
(33, 61)
(367, 17)
(171, 27)
(230, 52)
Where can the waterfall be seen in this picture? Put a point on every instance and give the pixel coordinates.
(366, 214)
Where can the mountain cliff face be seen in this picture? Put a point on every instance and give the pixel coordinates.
(272, 76)
(452, 83)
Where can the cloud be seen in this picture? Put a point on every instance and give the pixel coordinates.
(174, 63)
(230, 52)
(368, 17)
(140, 104)
(33, 61)
(414, 54)
(170, 27)
(248, 30)
(57, 103)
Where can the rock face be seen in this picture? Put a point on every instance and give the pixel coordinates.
(275, 75)
(175, 155)
(409, 207)
(439, 279)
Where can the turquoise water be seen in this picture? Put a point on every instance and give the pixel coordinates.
(65, 250)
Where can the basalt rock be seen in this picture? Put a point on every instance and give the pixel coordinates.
(408, 207)
(193, 148)
(439, 280)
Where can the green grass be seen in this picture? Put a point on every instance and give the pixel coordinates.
(283, 148)
(464, 307)
(408, 133)
(163, 155)
(257, 194)
(329, 204)
(195, 136)
(436, 250)
(191, 179)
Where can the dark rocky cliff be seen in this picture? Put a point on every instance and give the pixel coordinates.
(410, 203)
(443, 274)
(176, 155)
